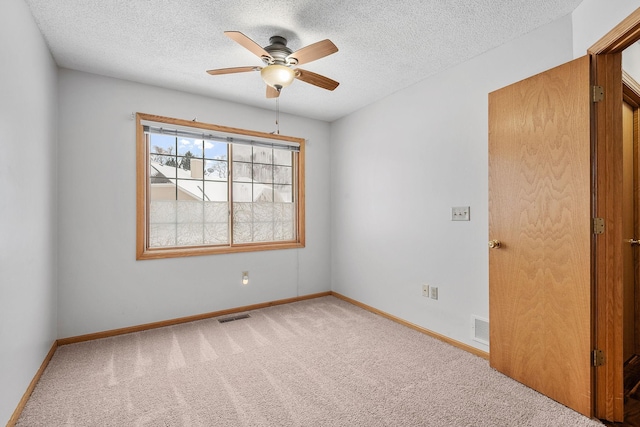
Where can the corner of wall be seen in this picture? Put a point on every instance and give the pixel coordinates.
(29, 120)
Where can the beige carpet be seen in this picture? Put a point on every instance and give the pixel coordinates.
(322, 362)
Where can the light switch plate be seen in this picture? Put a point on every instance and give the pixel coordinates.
(460, 213)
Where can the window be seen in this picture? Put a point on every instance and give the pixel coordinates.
(206, 189)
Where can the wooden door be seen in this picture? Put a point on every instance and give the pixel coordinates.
(539, 209)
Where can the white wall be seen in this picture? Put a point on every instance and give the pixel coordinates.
(399, 166)
(101, 285)
(28, 132)
(631, 61)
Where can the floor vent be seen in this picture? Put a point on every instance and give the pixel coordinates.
(232, 318)
(480, 329)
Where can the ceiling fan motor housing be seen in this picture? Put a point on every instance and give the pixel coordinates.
(279, 51)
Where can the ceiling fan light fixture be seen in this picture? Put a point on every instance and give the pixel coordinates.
(277, 76)
(279, 60)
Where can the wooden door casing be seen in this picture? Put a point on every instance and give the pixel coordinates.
(631, 96)
(628, 226)
(608, 265)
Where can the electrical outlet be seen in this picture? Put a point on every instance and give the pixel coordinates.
(425, 291)
(433, 292)
(460, 213)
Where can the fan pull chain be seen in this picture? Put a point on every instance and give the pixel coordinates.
(278, 116)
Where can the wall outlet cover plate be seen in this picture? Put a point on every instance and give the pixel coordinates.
(461, 213)
(425, 291)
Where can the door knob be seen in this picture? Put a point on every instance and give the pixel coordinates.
(634, 242)
(495, 244)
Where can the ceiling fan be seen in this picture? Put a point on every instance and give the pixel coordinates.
(279, 60)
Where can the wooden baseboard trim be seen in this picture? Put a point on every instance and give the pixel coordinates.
(425, 331)
(27, 394)
(171, 322)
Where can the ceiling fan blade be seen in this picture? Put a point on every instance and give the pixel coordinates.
(316, 79)
(314, 51)
(233, 70)
(272, 92)
(247, 43)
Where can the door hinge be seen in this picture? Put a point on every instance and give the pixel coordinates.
(597, 93)
(597, 357)
(597, 225)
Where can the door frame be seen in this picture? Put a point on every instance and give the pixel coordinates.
(631, 95)
(606, 63)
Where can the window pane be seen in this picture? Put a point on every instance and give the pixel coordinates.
(216, 226)
(190, 212)
(283, 193)
(242, 192)
(216, 212)
(242, 222)
(262, 231)
(215, 191)
(262, 193)
(263, 155)
(282, 174)
(190, 223)
(263, 212)
(263, 222)
(215, 150)
(162, 144)
(282, 157)
(216, 234)
(162, 212)
(162, 219)
(190, 189)
(263, 173)
(162, 191)
(283, 231)
(162, 167)
(242, 153)
(242, 233)
(190, 147)
(190, 234)
(197, 168)
(242, 172)
(184, 163)
(253, 222)
(284, 221)
(162, 235)
(284, 212)
(242, 213)
(216, 170)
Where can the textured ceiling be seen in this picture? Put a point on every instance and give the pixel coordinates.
(384, 46)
